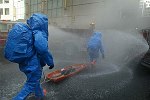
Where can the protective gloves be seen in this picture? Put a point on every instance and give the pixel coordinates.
(51, 66)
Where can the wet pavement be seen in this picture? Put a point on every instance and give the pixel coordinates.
(106, 81)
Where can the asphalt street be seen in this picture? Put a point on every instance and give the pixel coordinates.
(106, 81)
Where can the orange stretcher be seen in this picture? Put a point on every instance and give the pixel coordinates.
(61, 74)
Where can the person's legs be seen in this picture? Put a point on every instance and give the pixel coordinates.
(32, 84)
(90, 53)
(94, 55)
(91, 56)
(38, 89)
(23, 93)
(34, 81)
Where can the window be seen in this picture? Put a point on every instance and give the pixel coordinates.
(9, 26)
(6, 11)
(6, 1)
(60, 3)
(1, 11)
(1, 1)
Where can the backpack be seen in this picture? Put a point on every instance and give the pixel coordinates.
(19, 43)
(93, 43)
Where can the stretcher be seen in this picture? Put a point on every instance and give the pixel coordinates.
(63, 73)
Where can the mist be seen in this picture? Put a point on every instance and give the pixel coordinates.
(120, 23)
(119, 76)
(123, 15)
(66, 45)
(122, 47)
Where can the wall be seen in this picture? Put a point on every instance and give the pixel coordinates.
(78, 14)
(10, 6)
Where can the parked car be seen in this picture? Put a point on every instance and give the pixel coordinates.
(146, 59)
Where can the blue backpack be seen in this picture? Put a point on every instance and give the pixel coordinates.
(19, 43)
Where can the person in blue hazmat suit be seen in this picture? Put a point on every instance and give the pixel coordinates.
(95, 46)
(32, 67)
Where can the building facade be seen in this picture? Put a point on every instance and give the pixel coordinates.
(78, 14)
(19, 9)
(11, 10)
(6, 10)
(145, 8)
(64, 13)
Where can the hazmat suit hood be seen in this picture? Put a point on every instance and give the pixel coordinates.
(39, 22)
(97, 34)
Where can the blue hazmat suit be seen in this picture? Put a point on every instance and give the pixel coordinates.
(32, 67)
(94, 46)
